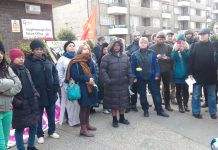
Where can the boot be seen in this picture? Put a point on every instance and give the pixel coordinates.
(89, 127)
(85, 132)
(180, 105)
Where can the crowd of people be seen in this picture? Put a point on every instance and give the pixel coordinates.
(111, 74)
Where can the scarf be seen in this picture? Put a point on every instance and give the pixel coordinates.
(69, 55)
(27, 89)
(82, 59)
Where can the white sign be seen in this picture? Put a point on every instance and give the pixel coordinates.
(15, 25)
(37, 29)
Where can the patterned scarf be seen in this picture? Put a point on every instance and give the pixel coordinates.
(82, 59)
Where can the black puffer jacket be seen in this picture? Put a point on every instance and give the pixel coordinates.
(45, 78)
(25, 103)
(116, 77)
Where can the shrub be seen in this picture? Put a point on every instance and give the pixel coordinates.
(66, 35)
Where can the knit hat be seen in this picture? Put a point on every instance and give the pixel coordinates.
(36, 44)
(67, 43)
(180, 37)
(170, 33)
(2, 48)
(15, 53)
(104, 45)
(188, 32)
(161, 35)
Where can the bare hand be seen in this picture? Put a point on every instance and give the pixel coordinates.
(135, 80)
(156, 78)
(159, 56)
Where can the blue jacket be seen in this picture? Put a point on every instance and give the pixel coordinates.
(76, 72)
(147, 61)
(180, 68)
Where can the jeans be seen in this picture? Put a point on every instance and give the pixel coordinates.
(165, 77)
(19, 137)
(50, 110)
(5, 124)
(211, 97)
(155, 92)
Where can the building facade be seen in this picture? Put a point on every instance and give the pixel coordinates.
(123, 17)
(14, 14)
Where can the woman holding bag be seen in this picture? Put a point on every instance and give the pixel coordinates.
(82, 71)
(72, 107)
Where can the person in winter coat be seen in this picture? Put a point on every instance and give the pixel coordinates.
(97, 49)
(203, 69)
(116, 77)
(145, 72)
(72, 107)
(180, 55)
(163, 52)
(10, 85)
(45, 79)
(81, 70)
(25, 103)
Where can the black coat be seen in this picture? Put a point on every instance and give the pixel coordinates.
(45, 78)
(77, 74)
(201, 63)
(25, 109)
(115, 73)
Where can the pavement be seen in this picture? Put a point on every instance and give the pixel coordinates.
(178, 132)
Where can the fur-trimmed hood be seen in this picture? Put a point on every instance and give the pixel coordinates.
(112, 43)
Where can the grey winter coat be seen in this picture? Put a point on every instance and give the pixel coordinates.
(9, 87)
(115, 73)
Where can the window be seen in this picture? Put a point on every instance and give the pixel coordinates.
(134, 20)
(183, 25)
(156, 5)
(145, 3)
(166, 23)
(146, 21)
(198, 25)
(107, 20)
(156, 22)
(166, 8)
(184, 11)
(198, 12)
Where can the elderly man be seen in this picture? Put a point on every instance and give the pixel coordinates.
(203, 70)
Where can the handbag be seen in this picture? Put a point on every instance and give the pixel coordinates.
(73, 90)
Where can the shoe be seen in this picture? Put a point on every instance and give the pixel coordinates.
(205, 105)
(125, 121)
(198, 116)
(146, 114)
(115, 124)
(163, 114)
(86, 133)
(181, 110)
(92, 128)
(55, 136)
(186, 109)
(168, 107)
(31, 148)
(134, 109)
(213, 116)
(106, 111)
(41, 140)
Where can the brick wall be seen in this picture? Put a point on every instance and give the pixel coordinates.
(12, 10)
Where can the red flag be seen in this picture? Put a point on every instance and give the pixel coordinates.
(89, 28)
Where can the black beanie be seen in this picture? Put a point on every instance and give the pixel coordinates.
(67, 43)
(2, 48)
(36, 44)
(104, 45)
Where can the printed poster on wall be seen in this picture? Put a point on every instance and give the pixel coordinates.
(15, 25)
(37, 29)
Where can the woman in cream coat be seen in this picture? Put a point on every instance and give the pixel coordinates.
(72, 107)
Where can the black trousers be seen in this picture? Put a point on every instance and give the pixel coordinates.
(182, 94)
(165, 77)
(133, 98)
